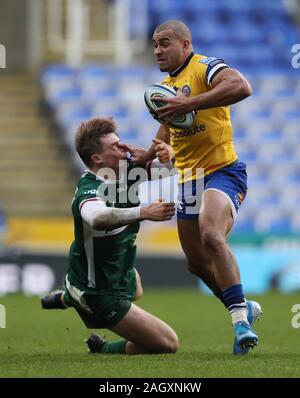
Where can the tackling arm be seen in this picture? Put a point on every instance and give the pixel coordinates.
(160, 149)
(101, 217)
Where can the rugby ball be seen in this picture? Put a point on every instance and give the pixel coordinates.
(161, 90)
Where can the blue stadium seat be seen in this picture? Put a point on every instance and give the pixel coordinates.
(257, 176)
(245, 152)
(98, 78)
(209, 32)
(58, 78)
(61, 96)
(106, 106)
(229, 53)
(295, 222)
(255, 54)
(201, 7)
(159, 6)
(239, 135)
(243, 225)
(268, 220)
(266, 137)
(268, 154)
(75, 116)
(245, 33)
(57, 71)
(173, 13)
(96, 96)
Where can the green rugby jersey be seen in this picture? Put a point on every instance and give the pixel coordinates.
(101, 259)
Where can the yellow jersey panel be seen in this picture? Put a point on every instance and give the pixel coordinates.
(207, 144)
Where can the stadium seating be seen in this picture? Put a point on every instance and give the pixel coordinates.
(254, 36)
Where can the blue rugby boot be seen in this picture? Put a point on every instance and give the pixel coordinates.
(254, 311)
(241, 345)
(245, 338)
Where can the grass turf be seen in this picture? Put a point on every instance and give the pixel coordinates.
(39, 343)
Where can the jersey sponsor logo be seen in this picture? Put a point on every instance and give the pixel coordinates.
(186, 89)
(188, 132)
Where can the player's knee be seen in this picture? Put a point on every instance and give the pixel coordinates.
(167, 344)
(139, 288)
(213, 240)
(173, 343)
(139, 293)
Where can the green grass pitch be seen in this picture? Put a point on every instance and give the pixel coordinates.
(39, 343)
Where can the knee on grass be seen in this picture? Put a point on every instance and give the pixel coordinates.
(166, 344)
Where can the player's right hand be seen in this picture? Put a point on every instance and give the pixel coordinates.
(164, 152)
(158, 211)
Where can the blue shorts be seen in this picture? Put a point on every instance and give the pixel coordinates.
(230, 181)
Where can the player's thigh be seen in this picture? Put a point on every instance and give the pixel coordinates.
(139, 287)
(146, 330)
(216, 214)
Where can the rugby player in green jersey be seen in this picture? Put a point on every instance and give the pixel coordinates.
(102, 281)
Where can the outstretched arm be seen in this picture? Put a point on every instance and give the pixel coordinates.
(141, 156)
(159, 149)
(101, 217)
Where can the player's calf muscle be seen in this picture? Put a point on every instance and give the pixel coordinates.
(147, 331)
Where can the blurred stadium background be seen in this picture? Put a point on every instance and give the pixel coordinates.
(69, 60)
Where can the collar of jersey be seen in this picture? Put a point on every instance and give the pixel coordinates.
(184, 65)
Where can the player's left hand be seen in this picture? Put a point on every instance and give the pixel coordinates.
(138, 154)
(173, 107)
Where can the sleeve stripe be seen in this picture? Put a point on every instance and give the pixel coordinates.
(216, 72)
(214, 69)
(89, 200)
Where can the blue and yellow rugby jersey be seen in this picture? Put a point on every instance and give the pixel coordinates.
(208, 143)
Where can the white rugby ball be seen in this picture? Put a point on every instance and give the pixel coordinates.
(161, 90)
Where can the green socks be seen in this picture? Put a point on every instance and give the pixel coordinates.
(116, 347)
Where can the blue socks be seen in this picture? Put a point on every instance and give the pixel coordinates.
(233, 298)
